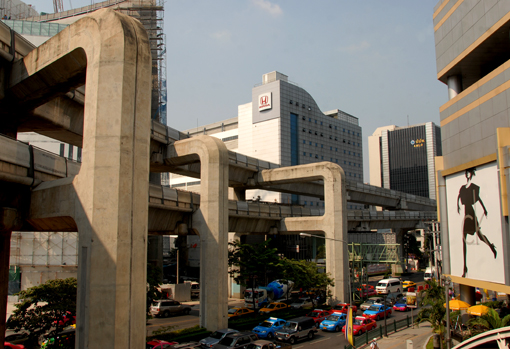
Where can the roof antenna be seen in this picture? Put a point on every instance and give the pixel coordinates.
(407, 120)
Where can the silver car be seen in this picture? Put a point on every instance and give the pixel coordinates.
(302, 303)
(215, 337)
(166, 307)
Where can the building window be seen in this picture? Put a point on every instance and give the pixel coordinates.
(304, 142)
(310, 154)
(297, 104)
(322, 134)
(322, 157)
(335, 127)
(310, 142)
(345, 162)
(345, 151)
(321, 123)
(336, 149)
(322, 145)
(303, 118)
(291, 101)
(336, 160)
(309, 108)
(294, 140)
(304, 130)
(310, 119)
(315, 121)
(336, 139)
(344, 129)
(304, 153)
(330, 148)
(316, 145)
(311, 203)
(329, 125)
(303, 106)
(306, 203)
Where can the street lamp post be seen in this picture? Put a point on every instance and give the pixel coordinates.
(326, 238)
(447, 283)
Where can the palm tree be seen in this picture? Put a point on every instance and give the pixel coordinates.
(488, 321)
(432, 307)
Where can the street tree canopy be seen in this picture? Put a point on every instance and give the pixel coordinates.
(40, 306)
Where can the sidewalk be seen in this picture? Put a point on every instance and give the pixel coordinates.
(398, 340)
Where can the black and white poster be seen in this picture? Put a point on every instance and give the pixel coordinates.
(474, 224)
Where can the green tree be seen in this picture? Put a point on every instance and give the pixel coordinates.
(153, 281)
(488, 321)
(42, 307)
(252, 265)
(305, 274)
(432, 307)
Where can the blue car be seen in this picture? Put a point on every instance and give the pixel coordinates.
(376, 312)
(333, 322)
(267, 328)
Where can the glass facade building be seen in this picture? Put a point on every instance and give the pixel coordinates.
(402, 158)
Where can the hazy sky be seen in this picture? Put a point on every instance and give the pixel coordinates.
(373, 59)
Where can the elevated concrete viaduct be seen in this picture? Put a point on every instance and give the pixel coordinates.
(108, 199)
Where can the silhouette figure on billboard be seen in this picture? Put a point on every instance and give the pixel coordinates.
(469, 195)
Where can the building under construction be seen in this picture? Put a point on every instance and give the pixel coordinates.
(37, 257)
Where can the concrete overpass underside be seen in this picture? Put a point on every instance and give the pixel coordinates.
(108, 199)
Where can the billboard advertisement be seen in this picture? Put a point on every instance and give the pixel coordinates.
(475, 224)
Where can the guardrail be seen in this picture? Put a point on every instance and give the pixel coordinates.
(365, 338)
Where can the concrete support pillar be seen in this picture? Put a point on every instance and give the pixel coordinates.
(454, 86)
(5, 250)
(333, 223)
(211, 222)
(108, 198)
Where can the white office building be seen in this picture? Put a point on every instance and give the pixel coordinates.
(284, 125)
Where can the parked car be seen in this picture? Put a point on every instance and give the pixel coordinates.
(240, 311)
(361, 325)
(264, 344)
(236, 340)
(166, 307)
(268, 328)
(271, 307)
(304, 302)
(368, 303)
(376, 312)
(159, 344)
(215, 337)
(333, 322)
(342, 308)
(296, 329)
(401, 305)
(318, 315)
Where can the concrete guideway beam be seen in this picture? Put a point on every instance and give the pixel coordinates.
(108, 198)
(211, 222)
(334, 221)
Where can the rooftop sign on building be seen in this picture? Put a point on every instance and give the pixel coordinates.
(265, 101)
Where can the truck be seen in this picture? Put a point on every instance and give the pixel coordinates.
(263, 295)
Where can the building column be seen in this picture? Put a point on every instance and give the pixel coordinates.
(454, 86)
(5, 250)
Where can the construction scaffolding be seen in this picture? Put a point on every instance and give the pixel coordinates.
(16, 9)
(151, 14)
(44, 248)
